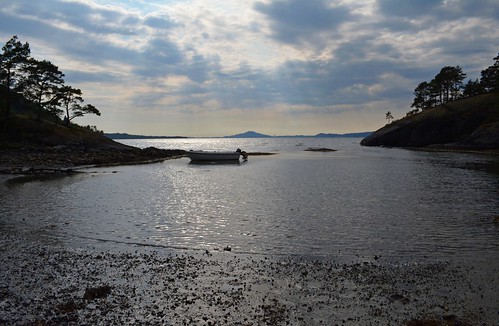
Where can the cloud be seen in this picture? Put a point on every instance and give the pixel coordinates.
(288, 58)
(296, 21)
(408, 8)
(455, 9)
(157, 57)
(423, 14)
(160, 21)
(81, 16)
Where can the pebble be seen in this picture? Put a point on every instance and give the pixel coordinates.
(193, 288)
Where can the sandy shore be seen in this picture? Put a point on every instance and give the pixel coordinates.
(43, 284)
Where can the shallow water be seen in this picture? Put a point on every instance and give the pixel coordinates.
(358, 201)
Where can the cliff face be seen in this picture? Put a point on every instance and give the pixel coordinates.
(471, 123)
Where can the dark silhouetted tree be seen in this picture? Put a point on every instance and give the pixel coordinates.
(15, 55)
(40, 82)
(472, 88)
(422, 96)
(490, 77)
(445, 87)
(389, 116)
(71, 100)
(449, 83)
(80, 111)
(41, 85)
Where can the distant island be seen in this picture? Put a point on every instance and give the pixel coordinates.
(119, 135)
(247, 134)
(253, 134)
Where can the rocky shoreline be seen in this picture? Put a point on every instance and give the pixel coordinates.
(43, 282)
(465, 125)
(63, 159)
(47, 284)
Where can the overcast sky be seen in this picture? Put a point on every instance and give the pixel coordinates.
(220, 67)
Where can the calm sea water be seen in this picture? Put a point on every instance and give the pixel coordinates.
(358, 201)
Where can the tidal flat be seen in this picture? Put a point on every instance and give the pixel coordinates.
(44, 284)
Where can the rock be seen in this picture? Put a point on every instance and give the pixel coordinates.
(97, 293)
(44, 160)
(320, 149)
(68, 307)
(468, 124)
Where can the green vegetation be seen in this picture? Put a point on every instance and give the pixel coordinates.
(466, 124)
(40, 84)
(36, 132)
(453, 116)
(448, 86)
(24, 132)
(389, 116)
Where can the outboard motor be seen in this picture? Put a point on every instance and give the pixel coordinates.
(243, 153)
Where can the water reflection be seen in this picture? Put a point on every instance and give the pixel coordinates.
(227, 162)
(359, 201)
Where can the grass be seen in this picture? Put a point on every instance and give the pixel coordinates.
(486, 104)
(23, 131)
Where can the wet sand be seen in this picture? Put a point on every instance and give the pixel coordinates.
(43, 284)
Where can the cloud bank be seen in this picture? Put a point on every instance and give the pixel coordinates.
(212, 67)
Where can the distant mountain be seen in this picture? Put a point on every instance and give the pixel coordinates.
(128, 136)
(253, 134)
(249, 134)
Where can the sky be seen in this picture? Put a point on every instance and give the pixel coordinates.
(219, 67)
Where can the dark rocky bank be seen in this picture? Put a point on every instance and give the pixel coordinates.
(469, 124)
(61, 159)
(30, 146)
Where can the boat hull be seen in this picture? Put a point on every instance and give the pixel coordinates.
(213, 156)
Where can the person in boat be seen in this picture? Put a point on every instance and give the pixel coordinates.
(243, 153)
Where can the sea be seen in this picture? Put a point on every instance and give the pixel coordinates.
(367, 203)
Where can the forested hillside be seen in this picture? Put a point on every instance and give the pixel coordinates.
(448, 114)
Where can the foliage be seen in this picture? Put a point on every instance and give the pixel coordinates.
(40, 82)
(447, 86)
(469, 123)
(473, 88)
(22, 131)
(412, 112)
(490, 77)
(389, 116)
(94, 129)
(14, 56)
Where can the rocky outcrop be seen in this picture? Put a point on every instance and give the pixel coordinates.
(32, 147)
(471, 124)
(64, 159)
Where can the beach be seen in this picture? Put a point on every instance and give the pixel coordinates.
(46, 284)
(88, 252)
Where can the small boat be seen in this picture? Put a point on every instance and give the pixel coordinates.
(209, 156)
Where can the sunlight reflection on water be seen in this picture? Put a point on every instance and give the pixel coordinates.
(357, 201)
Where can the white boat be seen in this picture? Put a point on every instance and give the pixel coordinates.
(211, 156)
